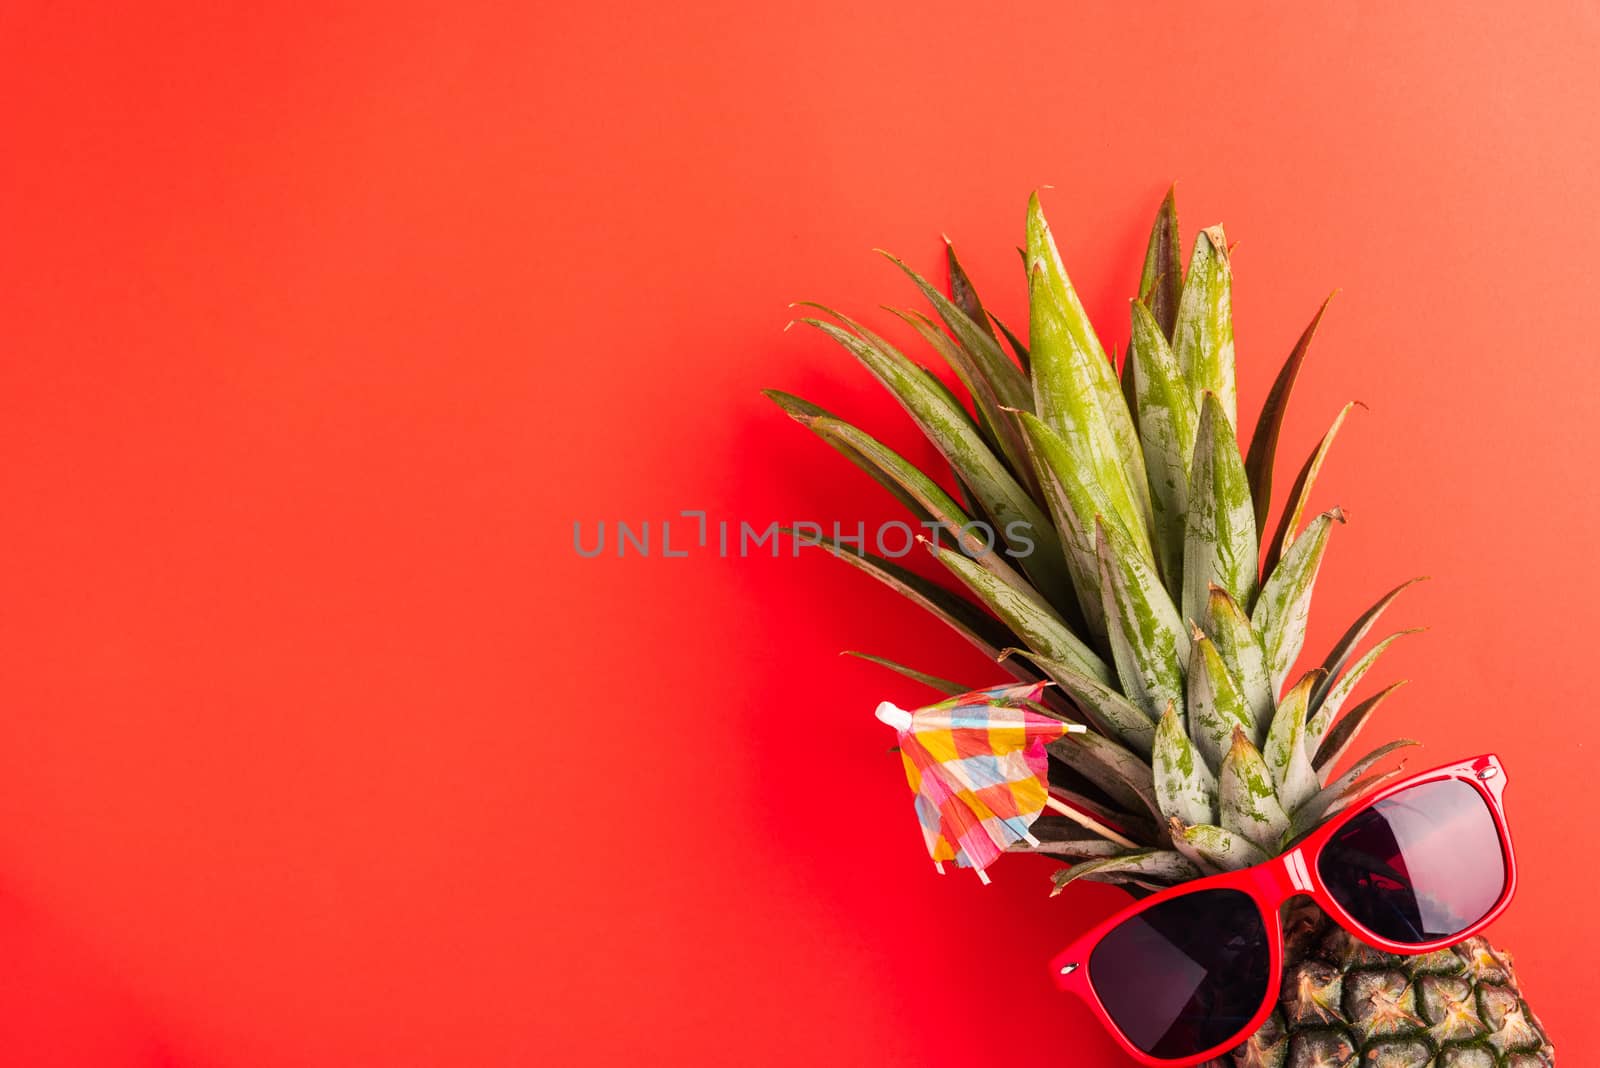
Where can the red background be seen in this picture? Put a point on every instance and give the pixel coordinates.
(319, 329)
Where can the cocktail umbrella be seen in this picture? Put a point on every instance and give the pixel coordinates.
(976, 764)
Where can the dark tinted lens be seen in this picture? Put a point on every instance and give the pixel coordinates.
(1184, 975)
(1422, 865)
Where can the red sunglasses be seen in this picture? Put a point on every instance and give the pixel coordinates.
(1189, 973)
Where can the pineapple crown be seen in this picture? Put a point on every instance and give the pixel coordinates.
(1127, 558)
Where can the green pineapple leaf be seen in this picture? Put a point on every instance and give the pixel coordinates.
(1167, 428)
(1345, 647)
(1073, 502)
(997, 385)
(1029, 616)
(1018, 349)
(803, 411)
(963, 293)
(1122, 774)
(1341, 690)
(1240, 649)
(997, 427)
(1362, 787)
(1075, 385)
(1108, 709)
(1217, 707)
(1287, 751)
(1130, 397)
(928, 495)
(1344, 788)
(1360, 767)
(1202, 337)
(1300, 494)
(1107, 824)
(1219, 536)
(966, 618)
(1343, 734)
(950, 431)
(1280, 613)
(1264, 442)
(1175, 831)
(1149, 643)
(1005, 378)
(955, 402)
(1161, 280)
(848, 323)
(1216, 847)
(1185, 788)
(1248, 798)
(944, 686)
(964, 496)
(1061, 837)
(1165, 865)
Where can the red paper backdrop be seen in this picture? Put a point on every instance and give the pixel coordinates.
(319, 745)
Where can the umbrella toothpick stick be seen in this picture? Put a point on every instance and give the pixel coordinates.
(1087, 822)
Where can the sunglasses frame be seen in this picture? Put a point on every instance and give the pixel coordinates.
(1269, 885)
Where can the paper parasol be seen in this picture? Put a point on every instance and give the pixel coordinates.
(977, 764)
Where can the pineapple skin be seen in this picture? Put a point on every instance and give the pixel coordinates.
(1345, 1004)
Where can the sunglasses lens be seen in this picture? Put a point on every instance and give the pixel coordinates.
(1420, 866)
(1186, 975)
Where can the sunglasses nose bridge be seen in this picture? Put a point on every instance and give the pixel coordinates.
(1281, 878)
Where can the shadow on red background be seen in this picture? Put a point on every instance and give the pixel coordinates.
(59, 1006)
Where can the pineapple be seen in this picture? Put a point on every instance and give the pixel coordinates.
(1108, 534)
